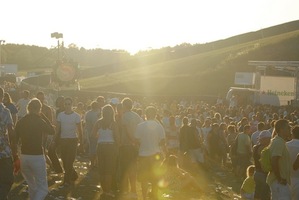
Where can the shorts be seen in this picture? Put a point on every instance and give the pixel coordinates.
(148, 168)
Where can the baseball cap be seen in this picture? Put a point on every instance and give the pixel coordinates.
(265, 134)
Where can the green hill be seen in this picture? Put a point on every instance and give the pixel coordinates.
(185, 69)
(208, 72)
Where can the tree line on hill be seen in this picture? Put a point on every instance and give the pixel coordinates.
(28, 56)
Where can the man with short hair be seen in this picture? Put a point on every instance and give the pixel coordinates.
(165, 119)
(22, 104)
(90, 119)
(128, 147)
(293, 148)
(102, 103)
(244, 151)
(8, 150)
(262, 190)
(46, 110)
(279, 177)
(151, 138)
(255, 135)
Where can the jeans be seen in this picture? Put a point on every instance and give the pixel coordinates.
(280, 192)
(262, 189)
(33, 168)
(243, 161)
(68, 156)
(127, 164)
(295, 188)
(54, 159)
(6, 177)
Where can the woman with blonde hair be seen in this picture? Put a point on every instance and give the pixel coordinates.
(248, 186)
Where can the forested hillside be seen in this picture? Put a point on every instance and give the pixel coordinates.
(207, 73)
(199, 69)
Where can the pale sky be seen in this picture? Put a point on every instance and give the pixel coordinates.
(135, 25)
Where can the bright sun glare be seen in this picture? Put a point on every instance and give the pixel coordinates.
(137, 24)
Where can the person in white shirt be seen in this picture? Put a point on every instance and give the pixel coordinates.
(106, 132)
(165, 119)
(293, 148)
(172, 136)
(279, 178)
(22, 104)
(206, 128)
(70, 128)
(255, 135)
(151, 137)
(128, 149)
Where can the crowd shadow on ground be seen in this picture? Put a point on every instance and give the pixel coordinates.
(85, 188)
(216, 182)
(223, 183)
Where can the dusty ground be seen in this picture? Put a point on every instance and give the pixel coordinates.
(217, 184)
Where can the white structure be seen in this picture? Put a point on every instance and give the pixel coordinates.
(244, 78)
(9, 69)
(292, 67)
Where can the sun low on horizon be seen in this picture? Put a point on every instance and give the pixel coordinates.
(135, 25)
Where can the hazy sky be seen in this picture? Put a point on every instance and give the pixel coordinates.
(137, 24)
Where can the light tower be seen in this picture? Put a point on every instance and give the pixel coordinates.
(57, 36)
(1, 42)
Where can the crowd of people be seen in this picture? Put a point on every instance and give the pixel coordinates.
(162, 145)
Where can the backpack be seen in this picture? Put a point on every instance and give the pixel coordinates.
(265, 159)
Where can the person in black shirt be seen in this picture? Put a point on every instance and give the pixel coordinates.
(183, 136)
(31, 130)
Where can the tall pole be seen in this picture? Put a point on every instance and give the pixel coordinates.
(296, 85)
(0, 53)
(1, 42)
(58, 46)
(57, 36)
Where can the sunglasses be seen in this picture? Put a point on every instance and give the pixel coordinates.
(67, 104)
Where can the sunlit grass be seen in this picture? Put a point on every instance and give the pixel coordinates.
(195, 66)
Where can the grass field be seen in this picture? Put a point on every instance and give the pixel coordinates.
(209, 71)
